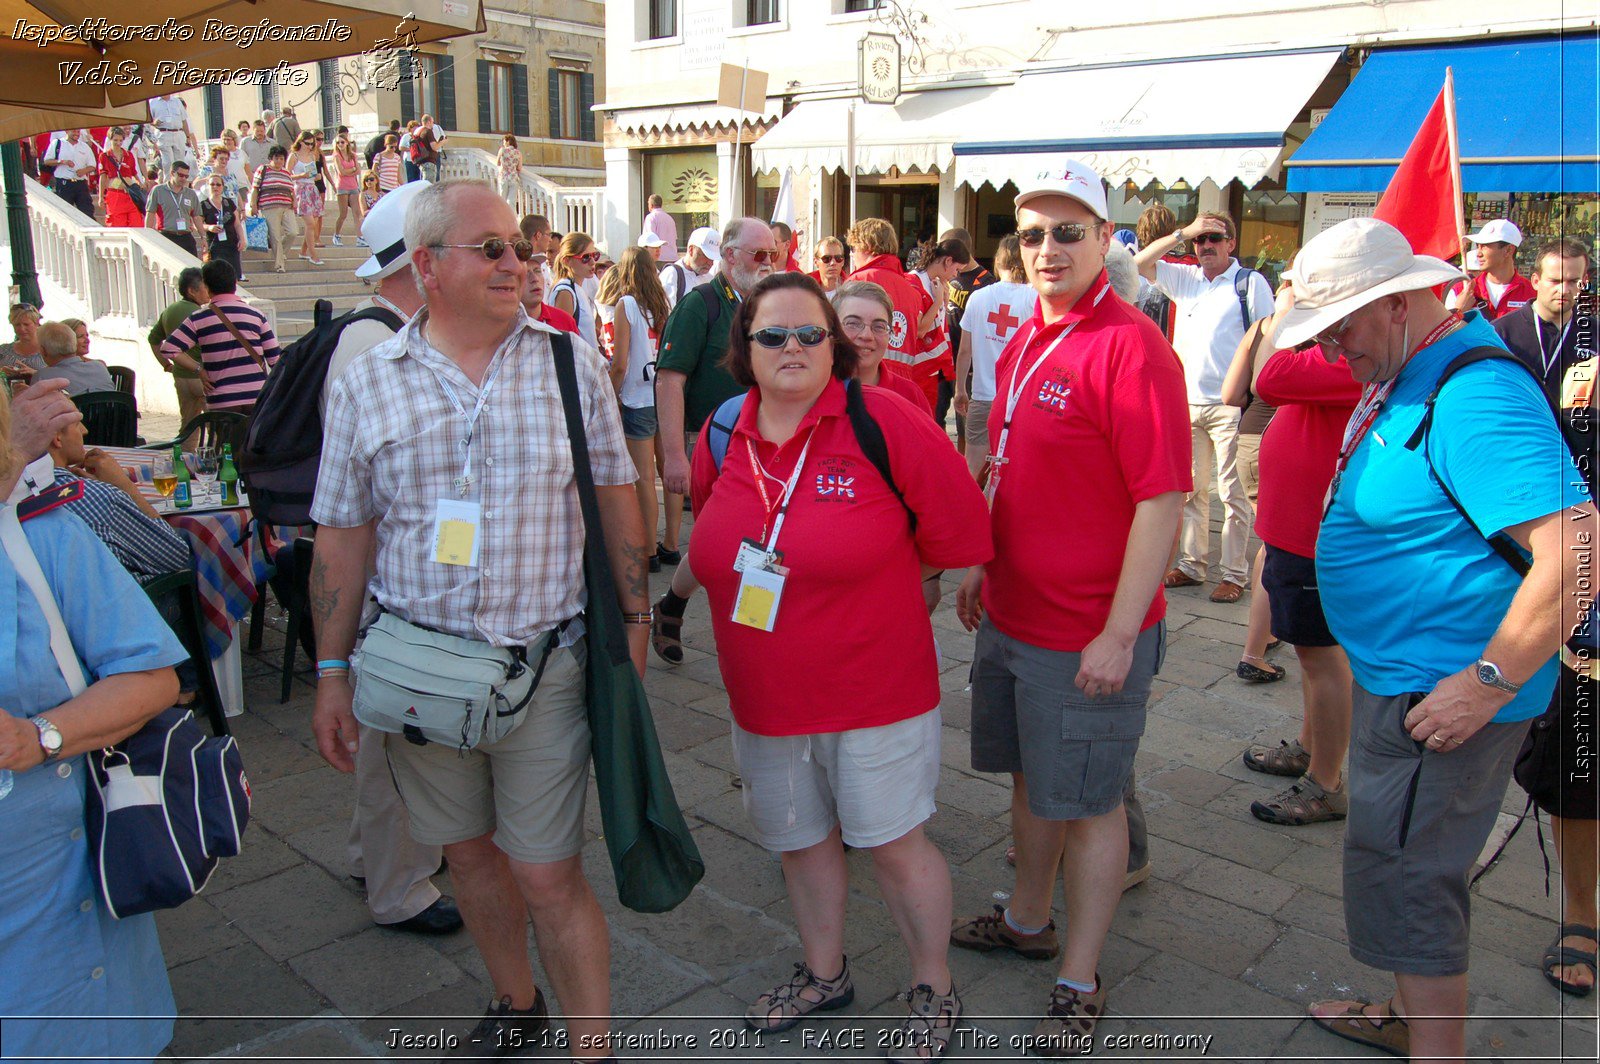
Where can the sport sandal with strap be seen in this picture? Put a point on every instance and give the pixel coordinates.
(788, 1003)
(1067, 1029)
(1305, 802)
(927, 1032)
(991, 932)
(1288, 758)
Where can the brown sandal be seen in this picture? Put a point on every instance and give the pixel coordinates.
(1178, 578)
(1305, 802)
(1385, 1031)
(1227, 591)
(666, 635)
(1067, 1029)
(1288, 758)
(927, 1033)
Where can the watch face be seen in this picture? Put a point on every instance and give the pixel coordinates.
(1488, 673)
(50, 738)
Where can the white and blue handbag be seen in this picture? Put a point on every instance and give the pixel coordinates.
(164, 805)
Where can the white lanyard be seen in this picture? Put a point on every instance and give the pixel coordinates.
(788, 488)
(1014, 394)
(463, 483)
(1553, 357)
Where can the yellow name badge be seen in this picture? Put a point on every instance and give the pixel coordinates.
(756, 604)
(455, 533)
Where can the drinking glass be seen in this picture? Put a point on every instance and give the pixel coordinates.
(206, 461)
(163, 476)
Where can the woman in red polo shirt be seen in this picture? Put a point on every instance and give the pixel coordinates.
(865, 311)
(814, 567)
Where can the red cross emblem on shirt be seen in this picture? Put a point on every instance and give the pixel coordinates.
(1002, 320)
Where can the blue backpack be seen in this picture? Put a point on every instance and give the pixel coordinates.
(869, 435)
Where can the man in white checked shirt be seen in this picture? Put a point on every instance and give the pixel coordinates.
(509, 814)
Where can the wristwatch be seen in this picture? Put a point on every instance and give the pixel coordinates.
(49, 738)
(1489, 675)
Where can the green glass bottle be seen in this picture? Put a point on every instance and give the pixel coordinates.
(181, 497)
(228, 475)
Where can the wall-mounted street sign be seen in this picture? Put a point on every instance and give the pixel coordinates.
(880, 68)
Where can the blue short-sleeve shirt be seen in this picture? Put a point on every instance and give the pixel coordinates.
(61, 953)
(1410, 590)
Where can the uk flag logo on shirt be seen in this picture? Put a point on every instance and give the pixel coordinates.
(831, 485)
(1053, 394)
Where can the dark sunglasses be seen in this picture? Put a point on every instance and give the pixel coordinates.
(833, 258)
(760, 255)
(775, 337)
(494, 248)
(1211, 238)
(1065, 233)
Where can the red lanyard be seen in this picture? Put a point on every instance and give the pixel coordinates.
(775, 511)
(1373, 398)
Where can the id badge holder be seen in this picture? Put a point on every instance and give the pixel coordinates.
(752, 555)
(756, 604)
(455, 533)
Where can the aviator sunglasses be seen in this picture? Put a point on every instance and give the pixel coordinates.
(1210, 238)
(494, 248)
(776, 337)
(1065, 233)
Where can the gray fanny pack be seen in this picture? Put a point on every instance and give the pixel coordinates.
(439, 688)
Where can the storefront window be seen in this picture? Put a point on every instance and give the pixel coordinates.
(686, 181)
(1179, 198)
(1269, 232)
(1542, 217)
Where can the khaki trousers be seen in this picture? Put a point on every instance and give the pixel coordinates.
(191, 397)
(380, 848)
(281, 226)
(1214, 432)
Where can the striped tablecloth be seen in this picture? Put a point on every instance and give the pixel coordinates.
(228, 564)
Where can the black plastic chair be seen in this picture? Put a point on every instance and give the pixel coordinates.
(191, 633)
(292, 584)
(214, 428)
(123, 378)
(110, 419)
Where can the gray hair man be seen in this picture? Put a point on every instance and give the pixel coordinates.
(691, 383)
(1453, 466)
(507, 574)
(58, 342)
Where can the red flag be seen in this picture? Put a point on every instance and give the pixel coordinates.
(1423, 199)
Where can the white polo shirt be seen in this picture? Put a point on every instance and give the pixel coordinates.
(65, 158)
(169, 114)
(1207, 323)
(692, 280)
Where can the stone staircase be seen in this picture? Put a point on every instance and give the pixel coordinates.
(296, 291)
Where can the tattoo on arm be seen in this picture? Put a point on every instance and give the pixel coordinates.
(637, 576)
(324, 598)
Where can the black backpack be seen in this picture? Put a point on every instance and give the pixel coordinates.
(283, 439)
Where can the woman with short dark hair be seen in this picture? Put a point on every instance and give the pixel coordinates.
(802, 543)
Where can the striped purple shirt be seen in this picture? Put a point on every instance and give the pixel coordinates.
(235, 378)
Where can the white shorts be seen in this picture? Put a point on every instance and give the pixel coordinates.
(876, 783)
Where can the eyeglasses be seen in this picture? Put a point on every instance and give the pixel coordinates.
(1210, 238)
(1065, 233)
(857, 325)
(776, 337)
(1334, 337)
(833, 258)
(759, 254)
(494, 248)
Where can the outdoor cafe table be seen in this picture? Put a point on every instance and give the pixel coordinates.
(229, 564)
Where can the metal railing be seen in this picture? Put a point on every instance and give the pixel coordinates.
(570, 210)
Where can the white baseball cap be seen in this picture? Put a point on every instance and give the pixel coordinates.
(1498, 231)
(648, 239)
(1342, 269)
(708, 240)
(384, 230)
(1068, 177)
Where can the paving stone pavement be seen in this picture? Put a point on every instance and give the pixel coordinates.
(1215, 957)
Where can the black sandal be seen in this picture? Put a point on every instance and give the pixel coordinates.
(666, 634)
(1564, 956)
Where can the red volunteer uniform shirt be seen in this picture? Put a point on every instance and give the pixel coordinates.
(911, 302)
(892, 380)
(1301, 444)
(1101, 426)
(557, 318)
(1518, 294)
(852, 646)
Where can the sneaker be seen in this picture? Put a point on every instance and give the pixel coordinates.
(361, 243)
(787, 1004)
(991, 932)
(1067, 1029)
(1305, 802)
(317, 262)
(338, 243)
(926, 1033)
(504, 1031)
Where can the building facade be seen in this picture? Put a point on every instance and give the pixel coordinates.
(1199, 104)
(534, 73)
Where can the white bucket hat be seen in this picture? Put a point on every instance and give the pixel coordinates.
(384, 230)
(1344, 268)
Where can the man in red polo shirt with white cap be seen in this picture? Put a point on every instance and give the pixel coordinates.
(1090, 461)
(1499, 289)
